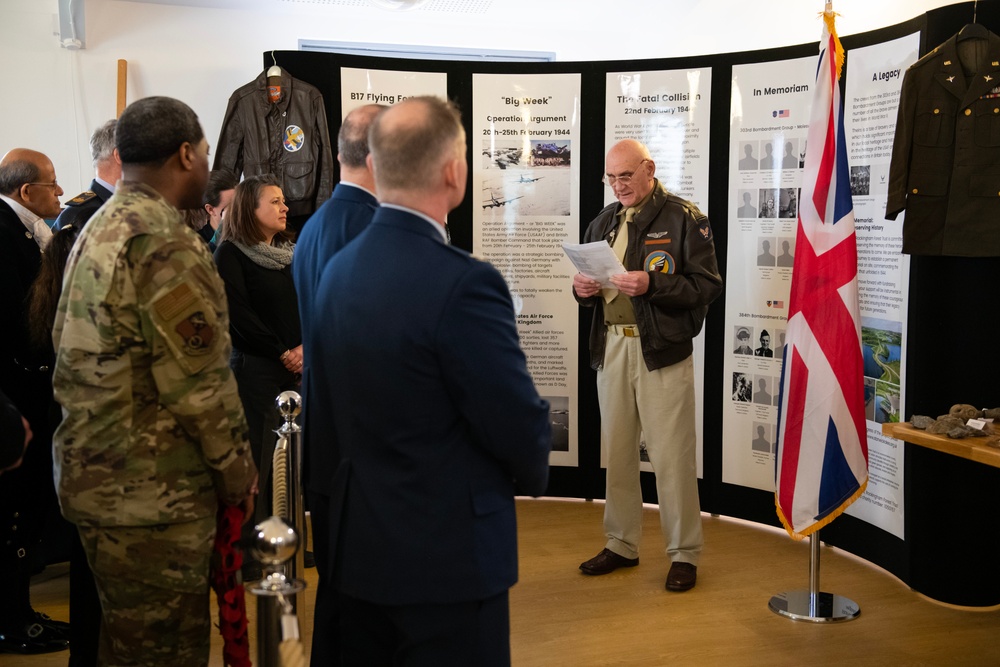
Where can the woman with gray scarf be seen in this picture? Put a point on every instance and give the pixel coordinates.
(254, 259)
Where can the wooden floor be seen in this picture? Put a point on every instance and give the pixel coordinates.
(562, 617)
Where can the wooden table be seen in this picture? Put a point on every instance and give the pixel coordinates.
(973, 449)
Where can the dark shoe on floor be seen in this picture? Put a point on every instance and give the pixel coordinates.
(31, 638)
(682, 577)
(607, 561)
(59, 629)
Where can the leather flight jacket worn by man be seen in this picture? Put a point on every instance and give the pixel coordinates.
(288, 138)
(671, 240)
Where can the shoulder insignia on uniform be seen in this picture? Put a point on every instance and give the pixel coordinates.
(195, 328)
(171, 304)
(196, 332)
(705, 230)
(81, 198)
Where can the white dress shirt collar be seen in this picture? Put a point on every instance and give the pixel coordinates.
(36, 226)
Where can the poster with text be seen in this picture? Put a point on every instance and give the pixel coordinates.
(525, 176)
(769, 120)
(669, 112)
(874, 80)
(359, 87)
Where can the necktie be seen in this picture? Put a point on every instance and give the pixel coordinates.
(619, 246)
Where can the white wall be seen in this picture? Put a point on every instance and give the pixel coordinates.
(55, 97)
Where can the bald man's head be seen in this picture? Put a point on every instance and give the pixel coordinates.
(28, 177)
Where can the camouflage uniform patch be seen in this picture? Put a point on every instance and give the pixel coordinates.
(188, 324)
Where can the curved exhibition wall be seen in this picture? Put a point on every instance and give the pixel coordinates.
(537, 135)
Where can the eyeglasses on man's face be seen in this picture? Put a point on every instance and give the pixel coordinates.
(53, 184)
(624, 178)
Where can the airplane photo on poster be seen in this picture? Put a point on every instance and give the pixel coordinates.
(494, 202)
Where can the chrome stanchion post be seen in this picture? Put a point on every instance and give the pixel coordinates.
(812, 605)
(275, 543)
(277, 539)
(290, 405)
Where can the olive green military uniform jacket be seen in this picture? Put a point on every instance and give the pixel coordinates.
(153, 430)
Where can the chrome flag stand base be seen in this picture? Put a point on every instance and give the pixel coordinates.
(812, 605)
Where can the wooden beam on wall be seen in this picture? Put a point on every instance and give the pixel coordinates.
(122, 85)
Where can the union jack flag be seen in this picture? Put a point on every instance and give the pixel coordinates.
(821, 465)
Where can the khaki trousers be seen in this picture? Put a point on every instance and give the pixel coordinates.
(657, 406)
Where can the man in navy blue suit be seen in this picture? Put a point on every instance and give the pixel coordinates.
(108, 168)
(338, 221)
(438, 424)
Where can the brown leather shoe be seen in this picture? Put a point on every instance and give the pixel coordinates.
(607, 561)
(682, 577)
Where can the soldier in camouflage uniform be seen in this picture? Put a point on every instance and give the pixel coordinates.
(153, 434)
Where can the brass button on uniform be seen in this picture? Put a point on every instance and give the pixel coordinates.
(968, 112)
(937, 111)
(914, 191)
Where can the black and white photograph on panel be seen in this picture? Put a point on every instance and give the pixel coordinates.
(768, 199)
(778, 344)
(788, 203)
(769, 160)
(762, 440)
(741, 341)
(790, 158)
(503, 153)
(786, 252)
(765, 251)
(559, 419)
(531, 178)
(763, 385)
(750, 159)
(742, 388)
(861, 180)
(748, 204)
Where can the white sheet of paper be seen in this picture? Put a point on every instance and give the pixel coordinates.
(595, 260)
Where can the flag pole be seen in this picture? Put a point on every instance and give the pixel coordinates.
(826, 241)
(813, 605)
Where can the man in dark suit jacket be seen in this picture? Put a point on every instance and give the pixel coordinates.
(337, 222)
(437, 420)
(108, 166)
(29, 194)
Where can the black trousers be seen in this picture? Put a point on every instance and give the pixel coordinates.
(326, 617)
(476, 632)
(259, 381)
